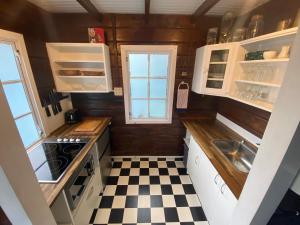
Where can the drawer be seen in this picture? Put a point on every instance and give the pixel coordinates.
(102, 142)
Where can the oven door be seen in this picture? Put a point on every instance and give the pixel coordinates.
(79, 181)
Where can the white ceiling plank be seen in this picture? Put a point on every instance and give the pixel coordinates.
(120, 6)
(59, 6)
(181, 7)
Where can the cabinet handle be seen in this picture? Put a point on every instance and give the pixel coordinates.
(223, 188)
(215, 179)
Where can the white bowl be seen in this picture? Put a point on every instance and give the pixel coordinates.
(270, 54)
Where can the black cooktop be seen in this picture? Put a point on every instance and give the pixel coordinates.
(51, 159)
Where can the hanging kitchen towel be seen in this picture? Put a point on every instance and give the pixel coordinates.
(182, 95)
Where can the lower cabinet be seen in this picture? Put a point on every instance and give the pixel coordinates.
(217, 200)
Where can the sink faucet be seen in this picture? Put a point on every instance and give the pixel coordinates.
(242, 141)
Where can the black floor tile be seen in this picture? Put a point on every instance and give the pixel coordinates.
(189, 189)
(131, 202)
(144, 215)
(154, 180)
(144, 172)
(180, 201)
(144, 190)
(163, 171)
(198, 214)
(106, 202)
(156, 201)
(112, 180)
(135, 164)
(134, 180)
(166, 189)
(175, 180)
(125, 172)
(153, 164)
(171, 164)
(117, 164)
(171, 215)
(116, 216)
(182, 171)
(121, 190)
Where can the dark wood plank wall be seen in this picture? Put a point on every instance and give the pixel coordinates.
(23, 17)
(132, 29)
(252, 119)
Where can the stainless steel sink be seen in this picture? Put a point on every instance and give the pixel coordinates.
(239, 154)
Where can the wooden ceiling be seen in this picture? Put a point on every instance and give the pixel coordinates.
(178, 7)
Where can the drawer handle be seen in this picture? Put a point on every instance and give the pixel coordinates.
(223, 188)
(215, 179)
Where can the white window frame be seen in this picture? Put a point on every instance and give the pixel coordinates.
(148, 49)
(26, 77)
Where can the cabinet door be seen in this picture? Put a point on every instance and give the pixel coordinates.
(217, 200)
(218, 60)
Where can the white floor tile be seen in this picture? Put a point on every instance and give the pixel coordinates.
(168, 201)
(164, 179)
(185, 179)
(134, 172)
(115, 172)
(130, 215)
(102, 216)
(157, 215)
(119, 202)
(155, 190)
(144, 201)
(153, 172)
(126, 164)
(144, 180)
(123, 180)
(193, 200)
(133, 190)
(109, 190)
(184, 214)
(173, 171)
(177, 189)
(144, 164)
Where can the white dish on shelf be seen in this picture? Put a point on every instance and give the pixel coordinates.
(270, 54)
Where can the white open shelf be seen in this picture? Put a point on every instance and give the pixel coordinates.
(218, 63)
(285, 60)
(259, 83)
(258, 104)
(217, 79)
(83, 57)
(271, 36)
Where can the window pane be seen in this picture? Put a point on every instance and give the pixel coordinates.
(138, 65)
(158, 108)
(139, 109)
(159, 65)
(17, 99)
(27, 130)
(139, 88)
(158, 88)
(8, 66)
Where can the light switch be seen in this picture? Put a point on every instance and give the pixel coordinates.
(118, 91)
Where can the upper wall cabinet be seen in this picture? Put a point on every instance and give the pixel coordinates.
(212, 68)
(250, 71)
(80, 67)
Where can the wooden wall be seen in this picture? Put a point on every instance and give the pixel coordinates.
(23, 17)
(132, 29)
(252, 119)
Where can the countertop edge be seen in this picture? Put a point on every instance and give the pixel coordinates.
(215, 158)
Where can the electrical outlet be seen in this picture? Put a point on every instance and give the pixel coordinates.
(118, 91)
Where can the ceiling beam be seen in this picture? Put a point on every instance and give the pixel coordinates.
(147, 9)
(92, 10)
(205, 7)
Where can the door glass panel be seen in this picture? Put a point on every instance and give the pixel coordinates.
(27, 130)
(219, 56)
(159, 65)
(158, 108)
(139, 88)
(17, 99)
(139, 109)
(8, 64)
(138, 65)
(217, 71)
(158, 88)
(214, 84)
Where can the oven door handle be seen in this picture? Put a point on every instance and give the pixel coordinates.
(90, 169)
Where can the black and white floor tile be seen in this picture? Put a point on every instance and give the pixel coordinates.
(152, 191)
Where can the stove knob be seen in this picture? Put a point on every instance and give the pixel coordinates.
(66, 139)
(59, 139)
(72, 139)
(77, 140)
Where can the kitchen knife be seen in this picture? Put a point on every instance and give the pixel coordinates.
(58, 105)
(52, 101)
(48, 113)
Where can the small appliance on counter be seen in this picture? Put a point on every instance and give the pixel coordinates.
(72, 116)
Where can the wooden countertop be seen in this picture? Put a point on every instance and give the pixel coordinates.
(204, 132)
(51, 191)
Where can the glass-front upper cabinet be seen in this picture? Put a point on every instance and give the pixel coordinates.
(212, 68)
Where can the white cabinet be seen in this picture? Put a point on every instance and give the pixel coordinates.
(216, 198)
(80, 67)
(212, 68)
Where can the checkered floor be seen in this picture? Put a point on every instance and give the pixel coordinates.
(152, 191)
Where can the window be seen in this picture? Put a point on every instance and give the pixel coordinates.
(14, 87)
(148, 80)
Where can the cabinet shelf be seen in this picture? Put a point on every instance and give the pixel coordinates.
(218, 63)
(216, 79)
(83, 77)
(258, 83)
(271, 36)
(258, 104)
(265, 61)
(78, 61)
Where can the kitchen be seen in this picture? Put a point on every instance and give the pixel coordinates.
(128, 163)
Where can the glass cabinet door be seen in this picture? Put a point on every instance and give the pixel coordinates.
(217, 68)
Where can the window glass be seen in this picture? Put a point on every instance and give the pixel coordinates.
(17, 99)
(158, 108)
(159, 65)
(158, 88)
(27, 129)
(139, 88)
(139, 109)
(8, 66)
(138, 65)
